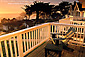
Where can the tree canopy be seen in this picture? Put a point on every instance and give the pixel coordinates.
(64, 7)
(41, 8)
(38, 7)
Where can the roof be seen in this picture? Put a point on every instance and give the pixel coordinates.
(79, 5)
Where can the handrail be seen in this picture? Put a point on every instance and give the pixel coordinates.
(23, 30)
(63, 24)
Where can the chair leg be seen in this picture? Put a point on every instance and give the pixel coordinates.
(59, 54)
(45, 52)
(48, 52)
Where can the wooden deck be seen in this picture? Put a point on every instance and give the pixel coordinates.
(40, 52)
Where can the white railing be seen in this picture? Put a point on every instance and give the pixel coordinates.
(24, 41)
(77, 22)
(77, 18)
(78, 37)
(70, 21)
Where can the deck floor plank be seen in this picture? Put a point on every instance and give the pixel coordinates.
(40, 52)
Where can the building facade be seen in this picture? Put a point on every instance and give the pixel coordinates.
(77, 10)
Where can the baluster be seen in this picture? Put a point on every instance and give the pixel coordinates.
(77, 34)
(27, 40)
(49, 30)
(15, 46)
(46, 32)
(57, 31)
(6, 48)
(1, 49)
(20, 46)
(84, 35)
(34, 37)
(11, 48)
(52, 28)
(24, 42)
(80, 34)
(43, 32)
(30, 39)
(39, 35)
(62, 30)
(55, 28)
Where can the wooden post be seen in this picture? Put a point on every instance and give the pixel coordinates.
(20, 46)
(6, 48)
(1, 49)
(84, 36)
(11, 48)
(27, 41)
(34, 38)
(30, 39)
(15, 47)
(49, 30)
(24, 41)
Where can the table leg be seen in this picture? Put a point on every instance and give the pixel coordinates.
(59, 54)
(57, 42)
(48, 52)
(45, 52)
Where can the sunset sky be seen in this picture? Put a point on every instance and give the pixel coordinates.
(12, 8)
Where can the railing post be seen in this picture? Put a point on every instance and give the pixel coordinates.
(84, 36)
(49, 30)
(20, 46)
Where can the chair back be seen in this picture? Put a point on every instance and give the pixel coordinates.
(69, 34)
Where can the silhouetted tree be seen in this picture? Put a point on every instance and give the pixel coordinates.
(64, 7)
(28, 10)
(38, 7)
(13, 19)
(4, 20)
(56, 16)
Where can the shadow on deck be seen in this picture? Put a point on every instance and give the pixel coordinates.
(40, 52)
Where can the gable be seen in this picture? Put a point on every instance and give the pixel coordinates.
(76, 8)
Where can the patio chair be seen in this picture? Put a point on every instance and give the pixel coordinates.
(59, 47)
